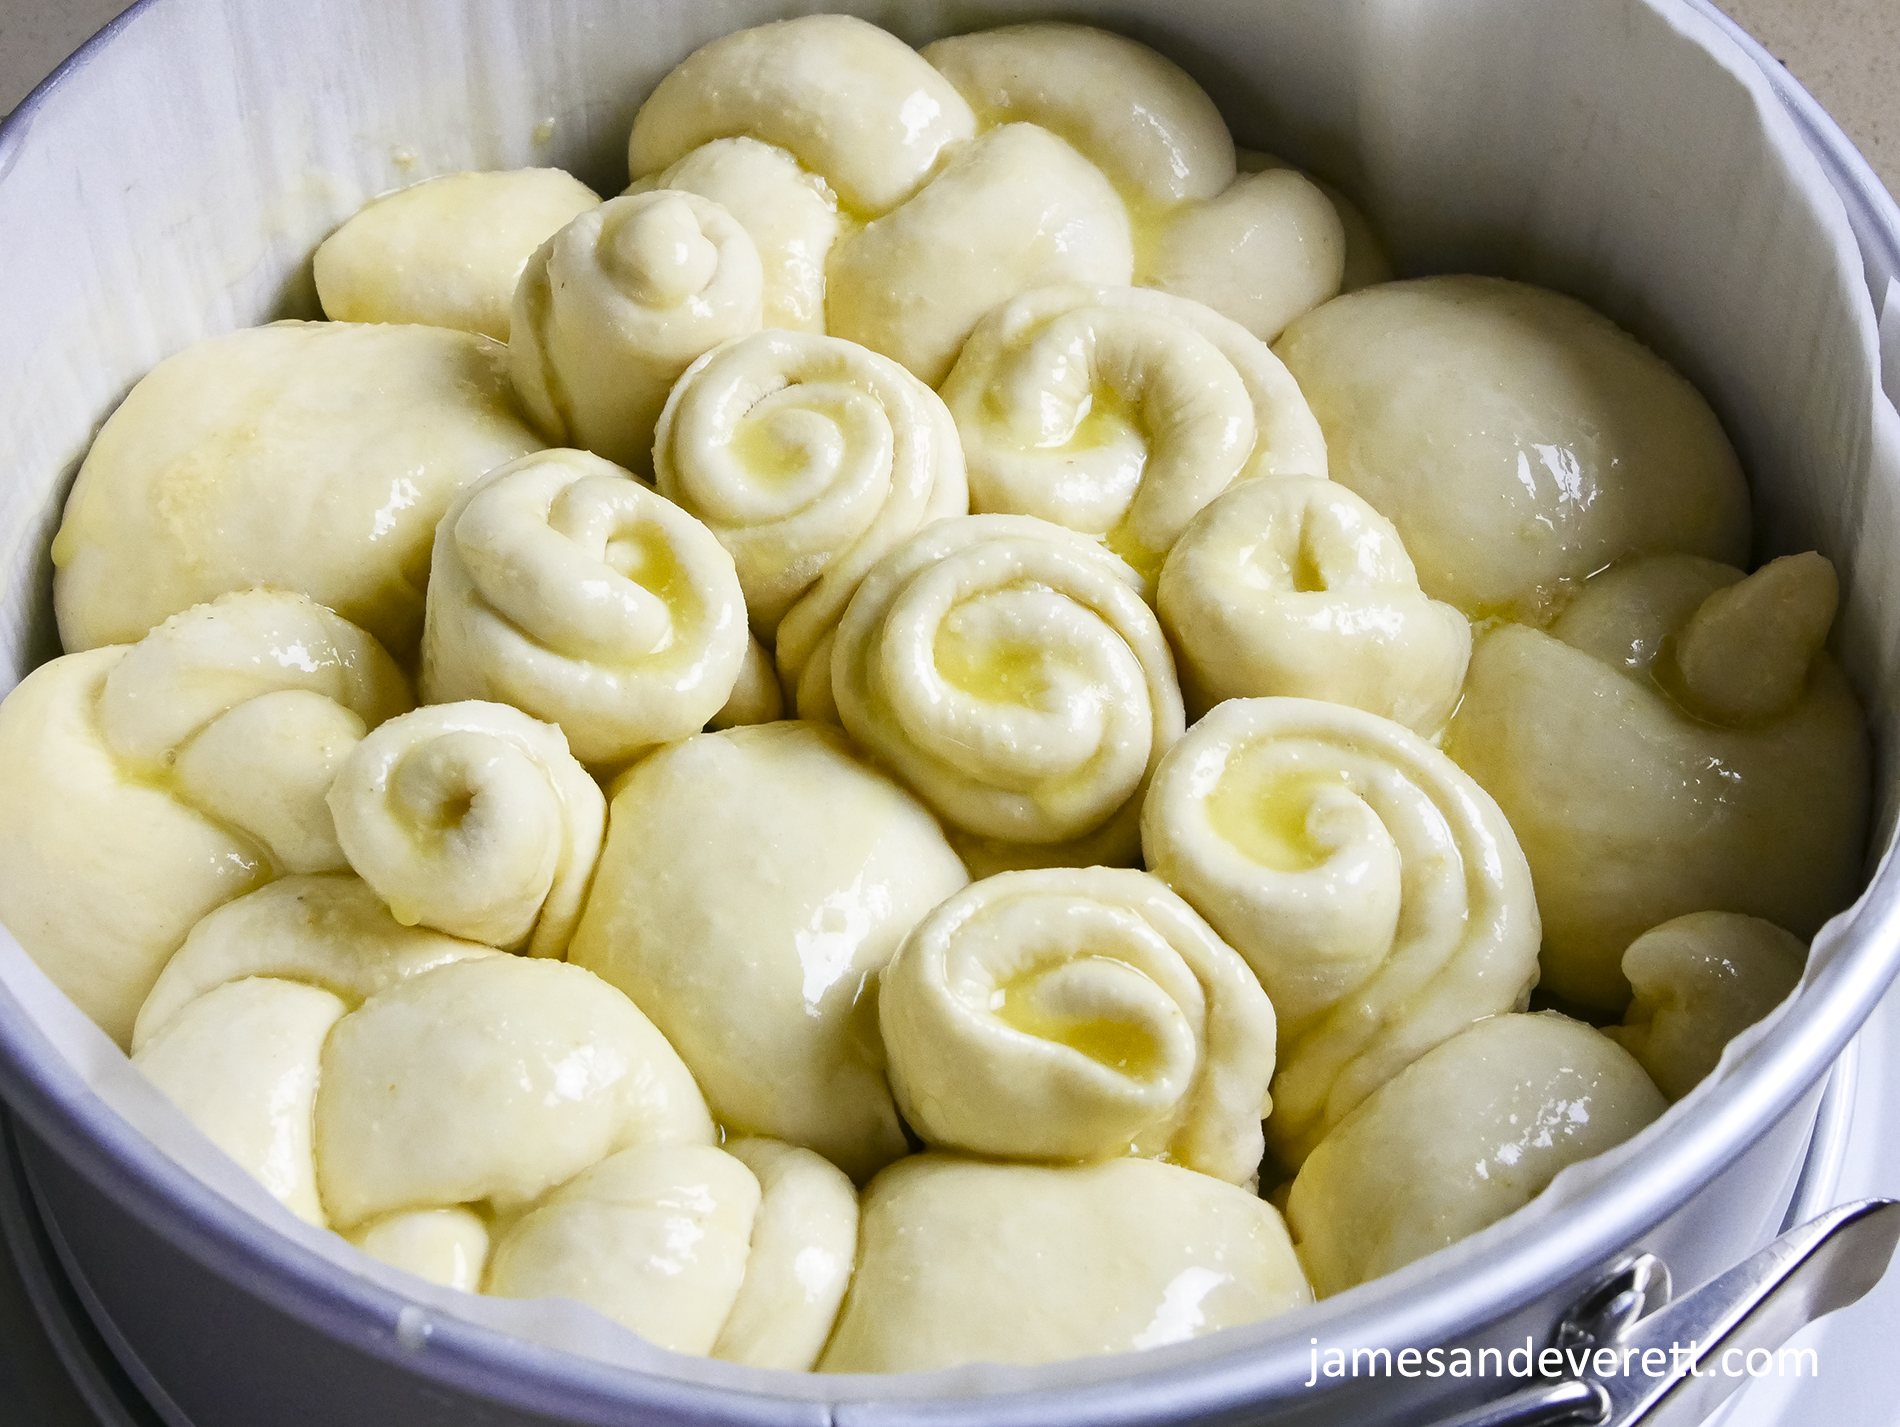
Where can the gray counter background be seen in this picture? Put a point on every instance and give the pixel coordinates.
(1846, 52)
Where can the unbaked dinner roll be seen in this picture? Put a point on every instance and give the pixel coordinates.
(1079, 1014)
(1701, 980)
(854, 104)
(791, 215)
(810, 458)
(311, 456)
(474, 819)
(966, 1261)
(1009, 671)
(446, 1246)
(612, 308)
(1121, 412)
(1297, 587)
(754, 884)
(1464, 1136)
(568, 589)
(1133, 113)
(446, 252)
(1374, 888)
(1015, 210)
(331, 931)
(491, 1081)
(1680, 741)
(1518, 440)
(148, 784)
(1367, 262)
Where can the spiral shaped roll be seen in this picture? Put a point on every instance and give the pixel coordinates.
(1079, 1014)
(1009, 672)
(1374, 888)
(612, 309)
(564, 587)
(1297, 587)
(150, 784)
(1121, 412)
(810, 458)
(474, 819)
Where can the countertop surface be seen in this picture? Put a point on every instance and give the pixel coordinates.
(1847, 54)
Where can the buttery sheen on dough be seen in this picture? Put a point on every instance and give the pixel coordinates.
(1079, 1014)
(1464, 1136)
(754, 884)
(568, 589)
(148, 784)
(1009, 672)
(1518, 440)
(1373, 886)
(309, 456)
(968, 1261)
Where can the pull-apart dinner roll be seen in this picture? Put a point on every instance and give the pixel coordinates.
(692, 1248)
(1701, 980)
(1079, 1014)
(966, 1261)
(1367, 262)
(311, 456)
(1462, 1137)
(754, 884)
(474, 819)
(1131, 112)
(448, 251)
(612, 308)
(1009, 671)
(490, 1080)
(791, 215)
(853, 103)
(1518, 440)
(1374, 888)
(1297, 587)
(810, 458)
(1679, 742)
(566, 588)
(148, 784)
(1121, 412)
(1015, 210)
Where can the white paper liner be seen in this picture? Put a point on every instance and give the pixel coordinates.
(1623, 151)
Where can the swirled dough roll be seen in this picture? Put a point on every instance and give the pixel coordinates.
(1133, 113)
(966, 1261)
(242, 1063)
(1517, 439)
(150, 784)
(446, 252)
(854, 104)
(1266, 249)
(1374, 888)
(1121, 412)
(492, 1079)
(1367, 262)
(1701, 980)
(1018, 209)
(791, 215)
(769, 993)
(810, 458)
(654, 1237)
(1465, 1135)
(1009, 671)
(311, 456)
(612, 309)
(1297, 587)
(1079, 1014)
(566, 588)
(1640, 754)
(474, 819)
(329, 931)
(804, 1245)
(445, 1246)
